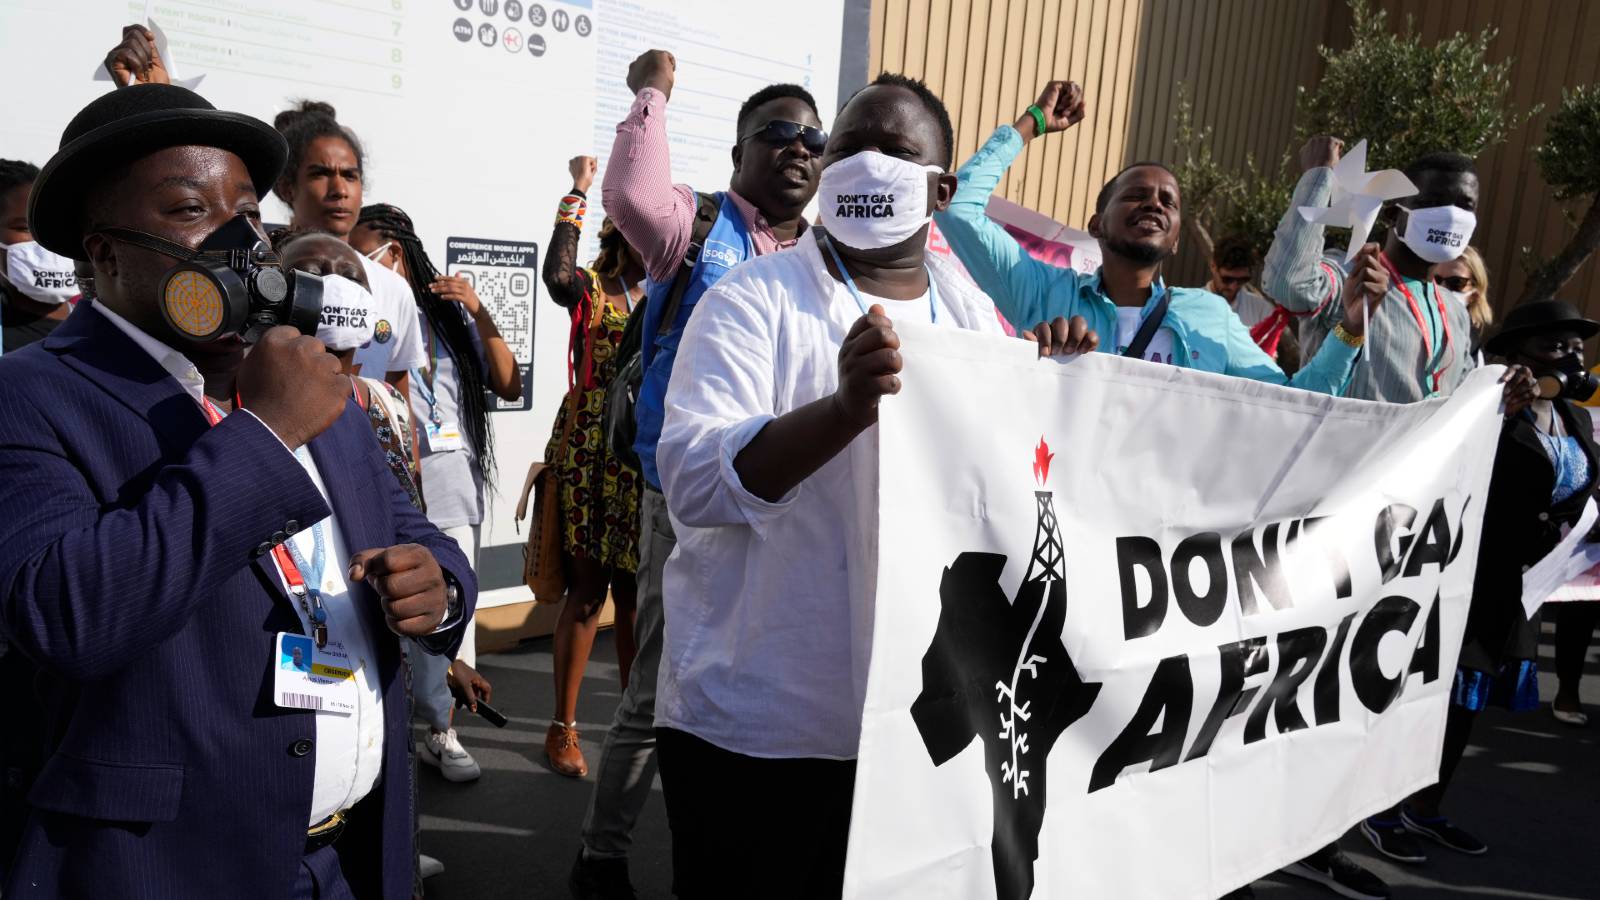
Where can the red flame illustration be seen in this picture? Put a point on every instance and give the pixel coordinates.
(1041, 462)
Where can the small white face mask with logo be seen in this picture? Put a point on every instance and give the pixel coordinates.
(870, 200)
(346, 319)
(1439, 234)
(39, 274)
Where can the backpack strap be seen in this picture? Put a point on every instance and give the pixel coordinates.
(707, 208)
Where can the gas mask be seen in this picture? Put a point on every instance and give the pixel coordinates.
(1569, 381)
(232, 283)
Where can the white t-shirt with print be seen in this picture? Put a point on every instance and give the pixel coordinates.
(1128, 319)
(396, 344)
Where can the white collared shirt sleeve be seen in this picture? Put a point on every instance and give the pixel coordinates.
(722, 394)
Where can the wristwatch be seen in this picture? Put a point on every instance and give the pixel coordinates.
(452, 598)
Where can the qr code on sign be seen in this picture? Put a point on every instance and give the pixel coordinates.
(508, 293)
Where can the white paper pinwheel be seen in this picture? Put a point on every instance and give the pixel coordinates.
(1357, 196)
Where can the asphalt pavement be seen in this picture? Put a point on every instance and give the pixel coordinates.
(1529, 787)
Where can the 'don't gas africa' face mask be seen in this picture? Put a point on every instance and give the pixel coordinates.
(871, 200)
(1438, 234)
(345, 320)
(39, 274)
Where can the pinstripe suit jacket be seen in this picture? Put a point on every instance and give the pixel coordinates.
(134, 571)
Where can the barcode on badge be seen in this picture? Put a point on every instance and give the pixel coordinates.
(300, 701)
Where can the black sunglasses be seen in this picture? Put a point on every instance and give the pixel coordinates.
(780, 133)
(1456, 283)
(1231, 280)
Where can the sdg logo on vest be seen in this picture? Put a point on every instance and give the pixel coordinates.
(724, 255)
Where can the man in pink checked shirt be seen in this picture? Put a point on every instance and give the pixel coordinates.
(777, 157)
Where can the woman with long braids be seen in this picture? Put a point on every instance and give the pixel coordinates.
(599, 494)
(465, 356)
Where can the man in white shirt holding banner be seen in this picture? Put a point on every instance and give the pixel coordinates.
(767, 458)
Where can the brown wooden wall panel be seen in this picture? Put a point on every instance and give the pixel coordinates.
(1242, 61)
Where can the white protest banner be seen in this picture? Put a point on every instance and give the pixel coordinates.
(1143, 632)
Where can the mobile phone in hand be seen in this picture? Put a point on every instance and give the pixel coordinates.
(494, 716)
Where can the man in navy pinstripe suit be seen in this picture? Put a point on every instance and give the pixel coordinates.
(175, 515)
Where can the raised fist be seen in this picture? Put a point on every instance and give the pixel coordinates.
(1062, 104)
(136, 59)
(582, 169)
(653, 68)
(1321, 151)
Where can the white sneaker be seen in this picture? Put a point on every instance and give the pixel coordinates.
(429, 866)
(446, 752)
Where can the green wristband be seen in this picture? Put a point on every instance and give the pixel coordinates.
(1038, 119)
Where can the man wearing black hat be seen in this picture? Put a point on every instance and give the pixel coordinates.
(190, 496)
(1544, 472)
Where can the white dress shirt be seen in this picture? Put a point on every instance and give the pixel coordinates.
(349, 748)
(769, 606)
(392, 303)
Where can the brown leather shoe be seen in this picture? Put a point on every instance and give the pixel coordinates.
(561, 745)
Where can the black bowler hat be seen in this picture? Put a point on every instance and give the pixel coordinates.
(134, 122)
(1534, 318)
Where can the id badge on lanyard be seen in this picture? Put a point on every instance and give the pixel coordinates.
(441, 436)
(308, 672)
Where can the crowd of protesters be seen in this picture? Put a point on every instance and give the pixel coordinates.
(201, 480)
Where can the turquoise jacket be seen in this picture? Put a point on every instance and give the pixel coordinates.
(1206, 335)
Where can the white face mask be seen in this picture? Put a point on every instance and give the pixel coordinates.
(869, 201)
(346, 322)
(39, 274)
(1439, 234)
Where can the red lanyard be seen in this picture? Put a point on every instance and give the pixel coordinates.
(1422, 325)
(310, 600)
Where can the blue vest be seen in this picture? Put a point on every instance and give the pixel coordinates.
(726, 246)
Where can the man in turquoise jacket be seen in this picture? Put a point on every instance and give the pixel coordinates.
(1137, 219)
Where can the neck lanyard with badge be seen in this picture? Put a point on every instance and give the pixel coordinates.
(933, 290)
(1436, 373)
(308, 674)
(442, 436)
(291, 564)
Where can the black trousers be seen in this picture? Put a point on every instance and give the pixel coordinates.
(1574, 628)
(745, 827)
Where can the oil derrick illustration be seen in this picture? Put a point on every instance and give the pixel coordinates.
(997, 671)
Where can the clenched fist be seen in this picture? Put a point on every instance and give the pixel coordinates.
(1320, 151)
(1062, 105)
(1367, 285)
(653, 68)
(409, 583)
(582, 169)
(136, 59)
(293, 385)
(869, 367)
